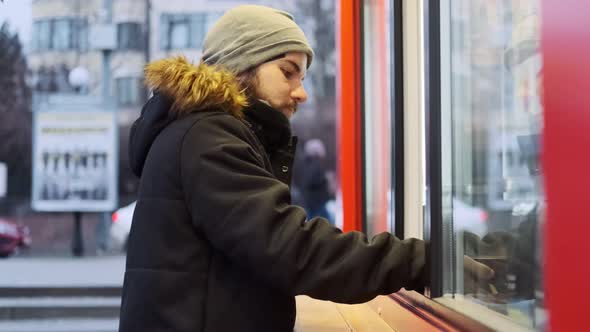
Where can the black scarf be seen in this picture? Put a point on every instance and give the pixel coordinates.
(270, 125)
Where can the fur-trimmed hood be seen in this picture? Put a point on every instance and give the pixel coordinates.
(181, 88)
(196, 87)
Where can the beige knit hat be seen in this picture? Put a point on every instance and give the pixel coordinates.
(248, 35)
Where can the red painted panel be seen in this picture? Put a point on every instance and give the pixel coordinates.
(566, 160)
(349, 119)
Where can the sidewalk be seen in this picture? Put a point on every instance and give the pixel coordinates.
(62, 272)
(68, 325)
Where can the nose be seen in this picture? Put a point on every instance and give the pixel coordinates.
(299, 94)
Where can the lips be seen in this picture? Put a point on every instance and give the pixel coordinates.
(287, 112)
(288, 109)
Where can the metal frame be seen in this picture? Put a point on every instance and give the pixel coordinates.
(434, 230)
(397, 94)
(413, 117)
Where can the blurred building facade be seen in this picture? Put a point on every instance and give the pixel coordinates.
(65, 33)
(69, 36)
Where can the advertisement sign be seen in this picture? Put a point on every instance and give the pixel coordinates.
(74, 161)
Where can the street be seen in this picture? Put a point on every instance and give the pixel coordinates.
(62, 294)
(62, 271)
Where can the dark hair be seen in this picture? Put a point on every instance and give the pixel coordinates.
(247, 79)
(248, 82)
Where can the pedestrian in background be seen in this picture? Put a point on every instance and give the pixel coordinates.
(315, 186)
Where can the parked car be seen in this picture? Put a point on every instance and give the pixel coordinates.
(13, 237)
(121, 225)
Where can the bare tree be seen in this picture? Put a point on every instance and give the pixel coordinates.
(322, 15)
(15, 113)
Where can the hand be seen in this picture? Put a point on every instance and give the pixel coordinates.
(476, 277)
(477, 270)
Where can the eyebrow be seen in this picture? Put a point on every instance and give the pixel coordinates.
(294, 64)
(297, 68)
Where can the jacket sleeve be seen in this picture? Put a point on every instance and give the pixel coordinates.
(244, 212)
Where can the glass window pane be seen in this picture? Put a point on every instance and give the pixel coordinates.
(197, 30)
(61, 34)
(83, 35)
(174, 31)
(212, 18)
(35, 36)
(44, 35)
(377, 115)
(494, 203)
(179, 33)
(134, 91)
(122, 36)
(129, 36)
(128, 91)
(79, 39)
(164, 32)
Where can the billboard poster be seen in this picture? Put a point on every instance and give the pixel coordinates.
(74, 161)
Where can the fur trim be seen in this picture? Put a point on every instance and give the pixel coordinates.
(196, 87)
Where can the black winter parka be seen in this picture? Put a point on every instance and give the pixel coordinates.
(215, 243)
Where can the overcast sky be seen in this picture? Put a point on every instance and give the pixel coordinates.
(18, 15)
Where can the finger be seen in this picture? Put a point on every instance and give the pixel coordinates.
(479, 270)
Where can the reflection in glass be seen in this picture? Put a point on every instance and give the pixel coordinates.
(494, 202)
(377, 114)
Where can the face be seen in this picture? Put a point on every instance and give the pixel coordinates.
(280, 82)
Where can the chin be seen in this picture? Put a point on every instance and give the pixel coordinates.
(288, 114)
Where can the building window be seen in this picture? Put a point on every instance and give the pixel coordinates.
(198, 29)
(62, 31)
(42, 35)
(129, 36)
(60, 34)
(211, 19)
(129, 91)
(179, 34)
(178, 31)
(80, 34)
